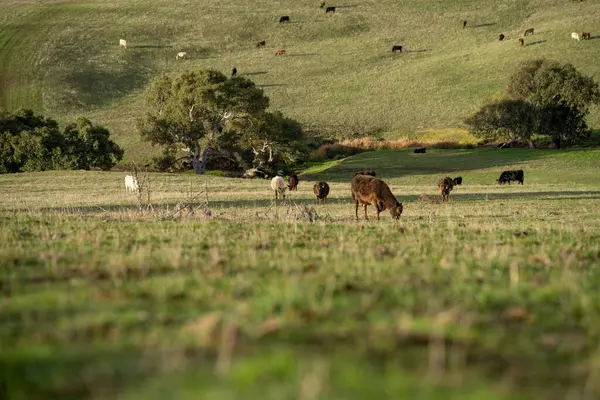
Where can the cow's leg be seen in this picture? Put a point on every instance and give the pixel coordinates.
(377, 210)
(365, 209)
(356, 209)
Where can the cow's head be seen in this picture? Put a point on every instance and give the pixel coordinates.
(396, 211)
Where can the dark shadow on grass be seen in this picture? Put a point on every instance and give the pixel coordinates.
(301, 54)
(483, 25)
(255, 73)
(347, 6)
(593, 37)
(271, 85)
(400, 163)
(534, 43)
(151, 46)
(415, 51)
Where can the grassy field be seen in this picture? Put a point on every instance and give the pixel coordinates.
(493, 295)
(339, 75)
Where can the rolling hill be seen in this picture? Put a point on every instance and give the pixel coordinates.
(339, 75)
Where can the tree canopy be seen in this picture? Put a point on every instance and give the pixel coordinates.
(545, 98)
(30, 142)
(200, 111)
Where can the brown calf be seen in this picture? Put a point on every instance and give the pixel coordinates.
(370, 190)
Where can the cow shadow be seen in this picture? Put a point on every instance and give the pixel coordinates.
(593, 37)
(151, 46)
(534, 43)
(483, 25)
(347, 6)
(415, 51)
(254, 73)
(301, 54)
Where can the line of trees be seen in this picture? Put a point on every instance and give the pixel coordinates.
(543, 97)
(30, 142)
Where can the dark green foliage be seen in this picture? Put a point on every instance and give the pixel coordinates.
(34, 143)
(201, 112)
(548, 83)
(506, 119)
(547, 98)
(90, 146)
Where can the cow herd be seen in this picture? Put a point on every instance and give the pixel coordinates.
(366, 189)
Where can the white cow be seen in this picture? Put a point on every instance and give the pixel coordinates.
(181, 54)
(575, 36)
(278, 185)
(122, 42)
(131, 184)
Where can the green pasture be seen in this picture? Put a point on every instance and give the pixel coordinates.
(493, 295)
(339, 75)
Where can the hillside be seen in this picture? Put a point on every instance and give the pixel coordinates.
(339, 75)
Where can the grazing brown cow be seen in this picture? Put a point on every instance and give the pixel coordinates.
(370, 190)
(528, 32)
(366, 172)
(280, 52)
(464, 24)
(293, 182)
(522, 42)
(261, 43)
(446, 185)
(321, 191)
(586, 35)
(501, 37)
(285, 18)
(396, 48)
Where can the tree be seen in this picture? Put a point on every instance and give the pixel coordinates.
(506, 119)
(90, 146)
(196, 107)
(546, 83)
(546, 98)
(34, 143)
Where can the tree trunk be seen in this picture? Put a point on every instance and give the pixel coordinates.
(196, 161)
(204, 160)
(531, 144)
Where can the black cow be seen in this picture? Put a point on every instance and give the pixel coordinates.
(285, 18)
(322, 4)
(522, 42)
(528, 32)
(464, 24)
(330, 9)
(420, 150)
(396, 48)
(501, 37)
(234, 71)
(457, 180)
(262, 43)
(508, 176)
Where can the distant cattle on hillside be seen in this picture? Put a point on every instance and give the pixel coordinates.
(285, 18)
(280, 52)
(457, 180)
(528, 32)
(586, 36)
(123, 42)
(262, 43)
(181, 55)
(501, 37)
(396, 48)
(330, 9)
(464, 24)
(234, 71)
(322, 4)
(522, 42)
(366, 172)
(421, 150)
(575, 36)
